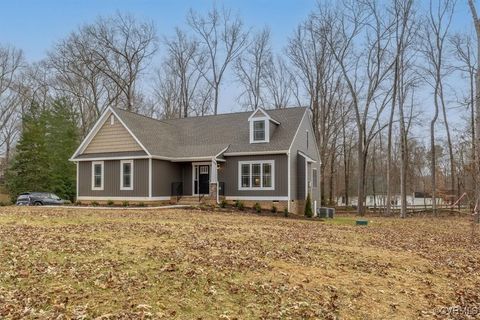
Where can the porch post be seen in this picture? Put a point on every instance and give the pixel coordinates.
(213, 192)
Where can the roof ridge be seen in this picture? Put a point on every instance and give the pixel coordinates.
(166, 121)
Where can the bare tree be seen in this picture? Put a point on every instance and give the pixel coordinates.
(318, 74)
(463, 48)
(363, 21)
(476, 22)
(404, 36)
(221, 35)
(434, 38)
(188, 63)
(120, 48)
(279, 83)
(252, 67)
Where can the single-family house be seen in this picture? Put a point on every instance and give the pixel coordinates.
(268, 157)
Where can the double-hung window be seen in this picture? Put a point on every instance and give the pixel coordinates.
(97, 175)
(126, 175)
(259, 130)
(256, 175)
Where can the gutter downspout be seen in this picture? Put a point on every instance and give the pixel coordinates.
(288, 180)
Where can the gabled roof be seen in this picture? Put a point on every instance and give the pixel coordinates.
(209, 136)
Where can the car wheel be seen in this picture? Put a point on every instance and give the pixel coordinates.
(38, 203)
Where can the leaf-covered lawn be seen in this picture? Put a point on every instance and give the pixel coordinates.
(83, 264)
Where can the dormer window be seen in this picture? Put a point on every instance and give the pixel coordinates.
(259, 130)
(261, 126)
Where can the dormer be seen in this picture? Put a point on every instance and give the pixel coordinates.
(261, 126)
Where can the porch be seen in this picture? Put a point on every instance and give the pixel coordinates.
(198, 182)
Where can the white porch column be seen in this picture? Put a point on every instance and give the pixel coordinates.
(214, 172)
(214, 181)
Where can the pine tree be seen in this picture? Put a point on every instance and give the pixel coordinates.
(49, 138)
(28, 170)
(62, 137)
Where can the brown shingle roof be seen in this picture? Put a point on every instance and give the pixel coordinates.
(209, 135)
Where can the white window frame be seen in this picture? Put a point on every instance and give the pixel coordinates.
(267, 129)
(102, 164)
(122, 162)
(112, 119)
(261, 163)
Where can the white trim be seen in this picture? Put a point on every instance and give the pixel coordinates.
(264, 113)
(96, 127)
(92, 198)
(92, 133)
(150, 177)
(266, 123)
(261, 163)
(221, 152)
(78, 175)
(196, 164)
(111, 158)
(122, 187)
(130, 131)
(183, 159)
(306, 157)
(296, 132)
(273, 198)
(288, 179)
(102, 164)
(253, 153)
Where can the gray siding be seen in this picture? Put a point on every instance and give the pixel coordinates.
(111, 184)
(187, 178)
(301, 174)
(300, 144)
(164, 173)
(229, 174)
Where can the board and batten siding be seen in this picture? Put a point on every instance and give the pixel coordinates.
(164, 173)
(111, 184)
(301, 175)
(297, 164)
(112, 138)
(228, 174)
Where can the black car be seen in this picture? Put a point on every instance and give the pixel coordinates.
(38, 199)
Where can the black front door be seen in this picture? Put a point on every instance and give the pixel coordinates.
(204, 179)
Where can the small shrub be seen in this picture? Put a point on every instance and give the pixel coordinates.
(67, 202)
(257, 207)
(308, 207)
(223, 203)
(236, 203)
(3, 204)
(240, 205)
(141, 204)
(274, 209)
(78, 203)
(285, 212)
(94, 203)
(110, 203)
(125, 203)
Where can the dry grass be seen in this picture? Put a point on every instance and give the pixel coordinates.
(73, 263)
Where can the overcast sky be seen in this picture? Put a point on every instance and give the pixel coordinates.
(35, 26)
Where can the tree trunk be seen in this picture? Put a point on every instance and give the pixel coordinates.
(361, 173)
(433, 156)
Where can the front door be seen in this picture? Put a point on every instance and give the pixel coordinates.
(202, 179)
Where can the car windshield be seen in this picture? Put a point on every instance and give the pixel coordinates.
(24, 197)
(54, 196)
